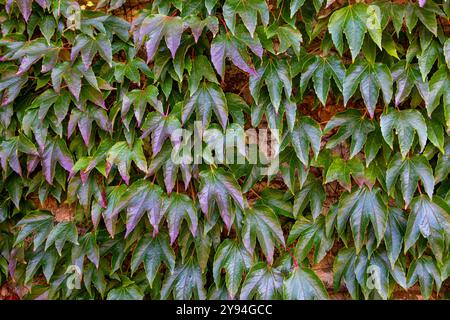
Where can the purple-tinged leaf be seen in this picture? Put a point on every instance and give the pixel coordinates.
(121, 155)
(153, 28)
(179, 207)
(160, 127)
(227, 46)
(208, 97)
(55, 151)
(218, 186)
(113, 208)
(141, 197)
(25, 8)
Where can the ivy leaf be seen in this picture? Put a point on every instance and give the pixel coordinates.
(201, 69)
(426, 15)
(121, 154)
(309, 234)
(9, 152)
(48, 262)
(130, 70)
(341, 170)
(395, 230)
(90, 248)
(314, 194)
(321, 70)
(261, 223)
(84, 121)
(426, 271)
(304, 284)
(371, 79)
(427, 58)
(10, 88)
(39, 223)
(89, 47)
(431, 220)
(438, 87)
(276, 76)
(405, 123)
(351, 125)
(248, 11)
(406, 78)
(305, 134)
(288, 37)
(176, 208)
(235, 259)
(161, 127)
(295, 6)
(154, 28)
(72, 76)
(60, 234)
(185, 282)
(142, 196)
(152, 252)
(197, 25)
(344, 271)
(373, 23)
(129, 292)
(113, 208)
(263, 282)
(410, 171)
(435, 133)
(217, 187)
(446, 50)
(55, 151)
(208, 97)
(228, 46)
(139, 99)
(361, 207)
(350, 20)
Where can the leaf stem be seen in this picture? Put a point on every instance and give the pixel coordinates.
(224, 24)
(292, 256)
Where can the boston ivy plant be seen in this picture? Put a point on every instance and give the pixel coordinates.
(95, 104)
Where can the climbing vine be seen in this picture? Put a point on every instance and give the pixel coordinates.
(97, 97)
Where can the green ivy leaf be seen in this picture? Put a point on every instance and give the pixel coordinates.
(351, 21)
(431, 220)
(262, 224)
(207, 98)
(303, 284)
(426, 271)
(405, 123)
(248, 11)
(263, 282)
(305, 134)
(152, 252)
(352, 124)
(410, 171)
(185, 282)
(341, 170)
(60, 234)
(235, 260)
(361, 207)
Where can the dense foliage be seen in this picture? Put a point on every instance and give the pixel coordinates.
(93, 206)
